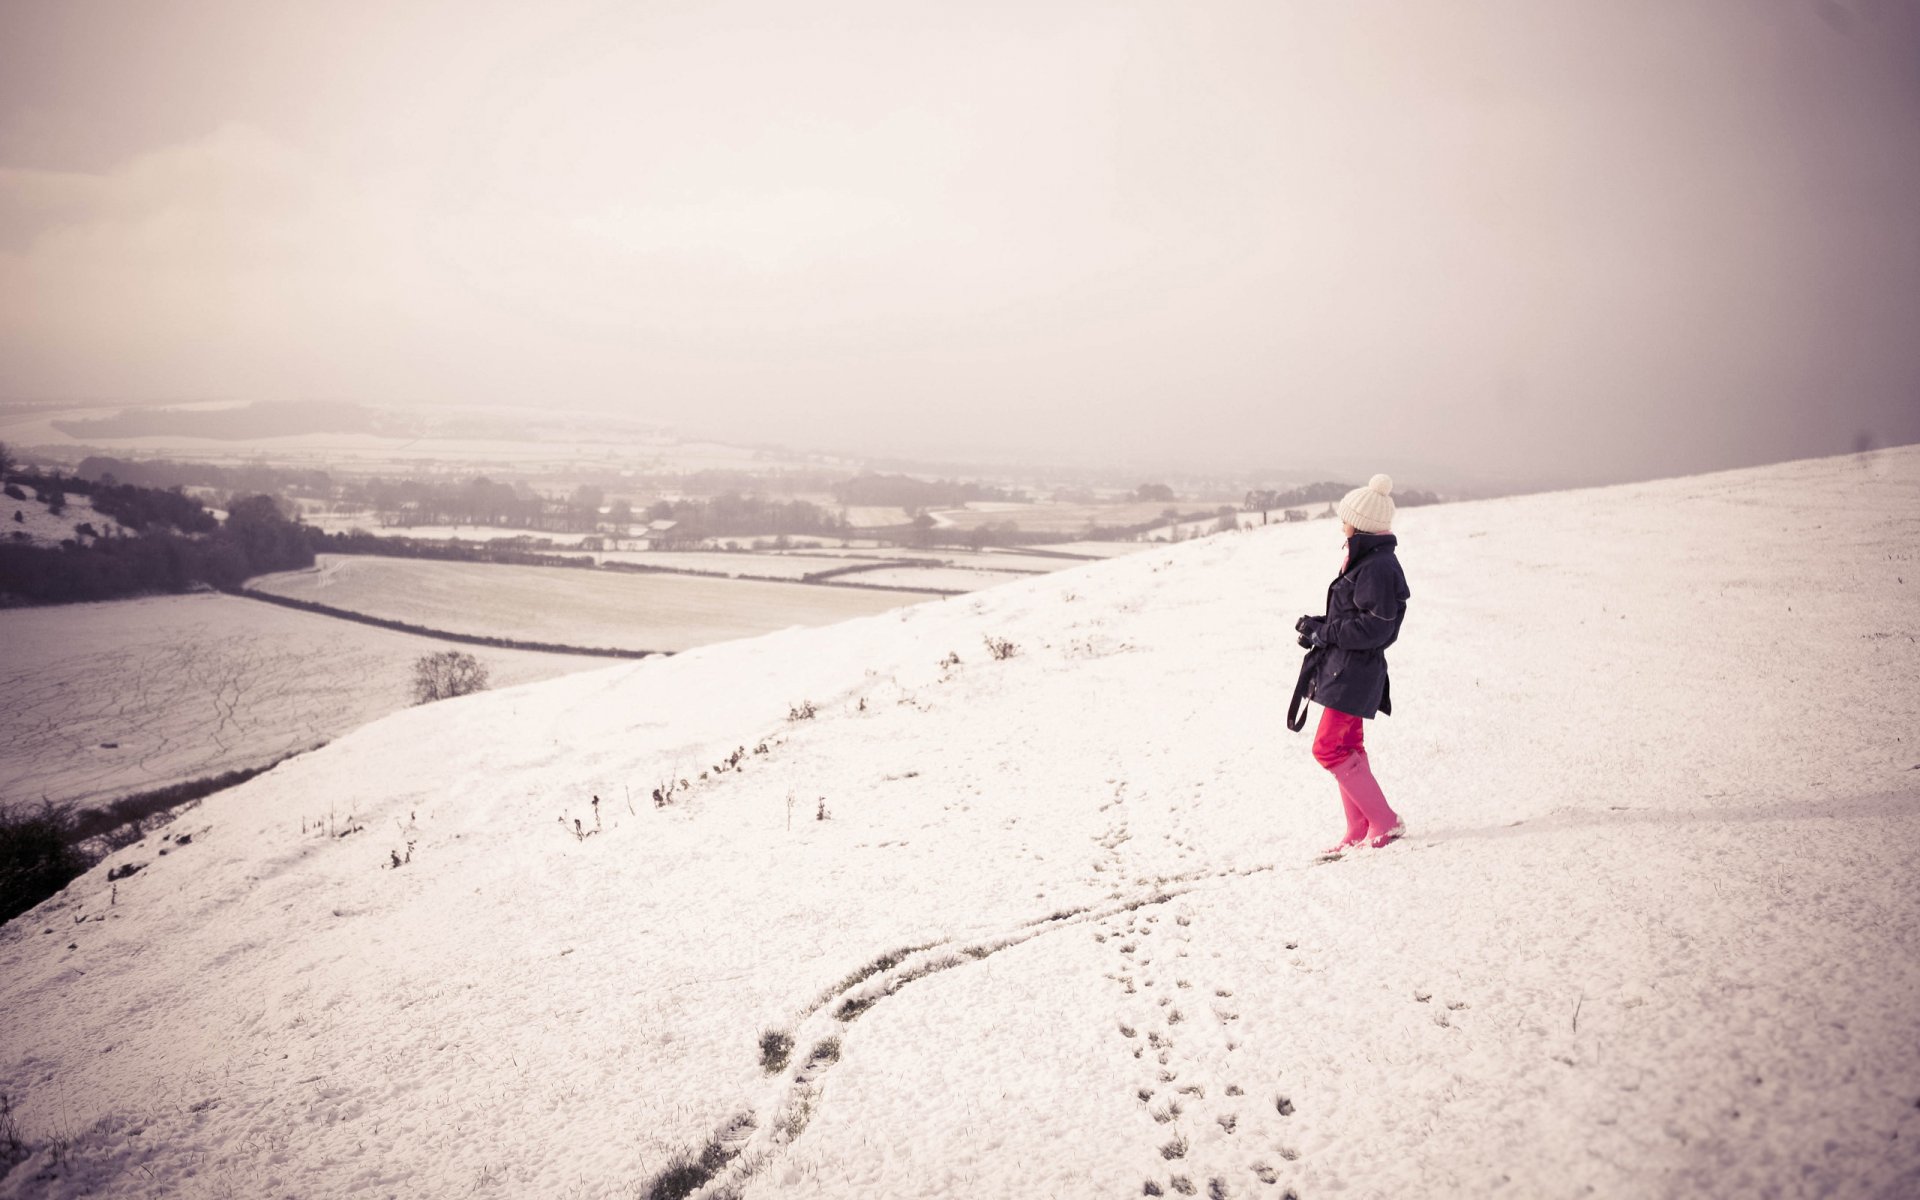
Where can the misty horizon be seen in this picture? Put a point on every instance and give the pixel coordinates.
(1494, 244)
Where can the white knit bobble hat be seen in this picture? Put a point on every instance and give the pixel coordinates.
(1369, 509)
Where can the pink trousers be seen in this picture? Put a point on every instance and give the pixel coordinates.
(1339, 746)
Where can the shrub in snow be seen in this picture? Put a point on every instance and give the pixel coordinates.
(1001, 648)
(802, 711)
(776, 1046)
(37, 858)
(446, 674)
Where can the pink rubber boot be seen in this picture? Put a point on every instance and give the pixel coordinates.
(1358, 785)
(1356, 824)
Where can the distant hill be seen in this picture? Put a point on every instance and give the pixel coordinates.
(287, 419)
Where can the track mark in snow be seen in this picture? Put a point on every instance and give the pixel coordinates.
(791, 1096)
(1188, 1076)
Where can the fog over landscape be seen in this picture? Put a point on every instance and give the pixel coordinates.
(1495, 241)
(750, 600)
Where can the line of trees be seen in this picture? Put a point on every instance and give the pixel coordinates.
(1261, 500)
(178, 546)
(904, 491)
(732, 514)
(251, 479)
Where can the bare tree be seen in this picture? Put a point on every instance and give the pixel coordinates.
(447, 674)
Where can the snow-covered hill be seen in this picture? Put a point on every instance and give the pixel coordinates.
(32, 521)
(1051, 925)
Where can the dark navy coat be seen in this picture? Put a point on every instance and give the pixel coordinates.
(1365, 606)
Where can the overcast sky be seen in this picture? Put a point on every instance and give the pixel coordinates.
(1570, 240)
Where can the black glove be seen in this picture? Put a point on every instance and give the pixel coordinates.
(1312, 631)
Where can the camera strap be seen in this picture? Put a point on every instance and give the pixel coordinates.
(1297, 707)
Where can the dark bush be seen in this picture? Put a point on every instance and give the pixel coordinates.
(36, 858)
(447, 674)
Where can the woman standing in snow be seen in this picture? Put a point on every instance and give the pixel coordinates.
(1348, 677)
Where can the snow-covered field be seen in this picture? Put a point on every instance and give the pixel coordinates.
(1061, 932)
(991, 560)
(1095, 549)
(1047, 516)
(945, 579)
(873, 516)
(987, 570)
(335, 522)
(720, 562)
(567, 606)
(101, 700)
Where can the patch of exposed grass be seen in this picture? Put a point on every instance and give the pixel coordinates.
(776, 1046)
(853, 1007)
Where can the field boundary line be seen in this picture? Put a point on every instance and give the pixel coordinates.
(826, 578)
(470, 639)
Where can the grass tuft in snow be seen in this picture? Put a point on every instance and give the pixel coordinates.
(688, 1173)
(13, 1148)
(795, 1122)
(1062, 915)
(776, 1046)
(859, 975)
(826, 1050)
(851, 1008)
(1177, 1148)
(682, 1177)
(1151, 1188)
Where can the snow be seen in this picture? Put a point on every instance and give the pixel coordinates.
(1653, 932)
(369, 523)
(43, 528)
(722, 563)
(102, 700)
(1095, 549)
(934, 578)
(568, 606)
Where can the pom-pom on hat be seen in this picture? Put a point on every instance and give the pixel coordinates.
(1369, 509)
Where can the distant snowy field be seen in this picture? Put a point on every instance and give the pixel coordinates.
(1655, 932)
(564, 606)
(99, 701)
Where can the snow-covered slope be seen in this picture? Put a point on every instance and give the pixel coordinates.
(1656, 931)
